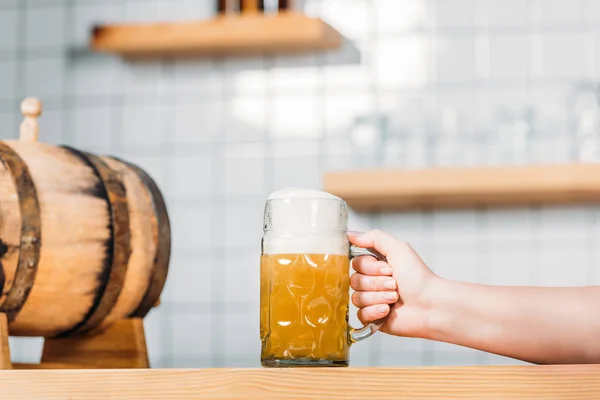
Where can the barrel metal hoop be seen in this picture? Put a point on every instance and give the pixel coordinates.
(118, 247)
(31, 232)
(162, 225)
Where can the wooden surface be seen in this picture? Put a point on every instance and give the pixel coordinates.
(377, 190)
(143, 238)
(249, 6)
(249, 34)
(122, 345)
(5, 362)
(47, 366)
(518, 382)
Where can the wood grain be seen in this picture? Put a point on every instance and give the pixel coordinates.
(249, 6)
(506, 186)
(144, 241)
(506, 382)
(47, 366)
(112, 278)
(244, 35)
(5, 362)
(120, 345)
(67, 273)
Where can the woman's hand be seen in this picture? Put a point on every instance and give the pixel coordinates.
(403, 282)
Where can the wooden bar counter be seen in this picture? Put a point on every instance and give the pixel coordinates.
(493, 382)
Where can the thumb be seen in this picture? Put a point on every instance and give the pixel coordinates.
(383, 242)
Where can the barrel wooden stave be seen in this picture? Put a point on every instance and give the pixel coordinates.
(143, 239)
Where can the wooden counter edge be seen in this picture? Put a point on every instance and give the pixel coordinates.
(506, 382)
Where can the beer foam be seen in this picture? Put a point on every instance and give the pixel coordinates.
(299, 220)
(328, 243)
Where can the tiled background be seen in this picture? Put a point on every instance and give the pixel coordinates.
(438, 82)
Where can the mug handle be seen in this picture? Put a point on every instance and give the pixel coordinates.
(356, 335)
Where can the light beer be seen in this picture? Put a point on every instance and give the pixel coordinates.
(304, 308)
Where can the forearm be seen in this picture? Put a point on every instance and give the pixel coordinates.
(536, 324)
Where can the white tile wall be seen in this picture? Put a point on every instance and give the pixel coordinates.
(512, 268)
(54, 125)
(507, 13)
(394, 16)
(295, 116)
(142, 124)
(555, 48)
(201, 270)
(508, 57)
(143, 80)
(156, 338)
(455, 59)
(8, 124)
(297, 73)
(242, 223)
(8, 79)
(296, 170)
(239, 276)
(244, 169)
(196, 122)
(555, 12)
(44, 76)
(45, 28)
(191, 336)
(248, 118)
(8, 30)
(441, 82)
(241, 339)
(402, 61)
(590, 11)
(92, 127)
(191, 176)
(192, 227)
(197, 79)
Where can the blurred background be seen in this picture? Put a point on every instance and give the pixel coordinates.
(417, 83)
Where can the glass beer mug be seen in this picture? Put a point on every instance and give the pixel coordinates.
(305, 281)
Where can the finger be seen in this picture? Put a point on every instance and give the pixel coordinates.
(365, 299)
(367, 283)
(368, 265)
(383, 242)
(369, 314)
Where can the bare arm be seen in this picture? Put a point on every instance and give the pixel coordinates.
(541, 325)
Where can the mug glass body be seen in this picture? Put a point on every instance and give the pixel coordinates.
(305, 283)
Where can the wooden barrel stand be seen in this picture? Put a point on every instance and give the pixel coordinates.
(122, 345)
(84, 251)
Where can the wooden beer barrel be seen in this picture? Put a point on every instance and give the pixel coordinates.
(84, 239)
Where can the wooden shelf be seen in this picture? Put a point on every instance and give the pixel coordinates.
(381, 190)
(245, 35)
(502, 382)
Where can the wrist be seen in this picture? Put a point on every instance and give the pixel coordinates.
(435, 298)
